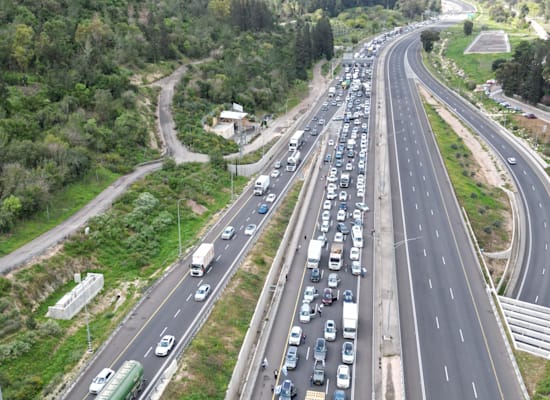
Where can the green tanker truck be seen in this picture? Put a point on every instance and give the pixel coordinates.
(126, 384)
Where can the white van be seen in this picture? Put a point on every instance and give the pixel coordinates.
(357, 236)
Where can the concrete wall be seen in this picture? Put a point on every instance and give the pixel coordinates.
(70, 304)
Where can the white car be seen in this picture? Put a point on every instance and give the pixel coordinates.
(333, 280)
(349, 166)
(165, 345)
(325, 225)
(325, 216)
(360, 192)
(250, 229)
(338, 237)
(343, 376)
(331, 195)
(356, 268)
(327, 205)
(343, 195)
(271, 197)
(341, 216)
(228, 233)
(275, 173)
(348, 353)
(362, 206)
(330, 142)
(295, 337)
(310, 294)
(330, 330)
(354, 254)
(357, 214)
(511, 160)
(360, 184)
(332, 178)
(331, 187)
(101, 380)
(202, 292)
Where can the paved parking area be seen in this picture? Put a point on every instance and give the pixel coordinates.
(489, 42)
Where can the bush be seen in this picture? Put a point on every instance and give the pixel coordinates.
(49, 328)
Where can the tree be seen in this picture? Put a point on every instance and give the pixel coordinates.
(22, 49)
(468, 27)
(302, 50)
(428, 37)
(9, 210)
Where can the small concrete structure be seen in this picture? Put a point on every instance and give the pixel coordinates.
(70, 304)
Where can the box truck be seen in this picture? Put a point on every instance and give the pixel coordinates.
(201, 259)
(261, 185)
(314, 253)
(350, 316)
(296, 141)
(336, 256)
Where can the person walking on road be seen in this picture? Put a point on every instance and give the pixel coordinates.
(275, 374)
(264, 363)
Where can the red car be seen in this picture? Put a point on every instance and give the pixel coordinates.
(328, 296)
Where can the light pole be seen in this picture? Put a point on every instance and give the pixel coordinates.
(179, 229)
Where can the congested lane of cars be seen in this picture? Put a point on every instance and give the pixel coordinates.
(315, 347)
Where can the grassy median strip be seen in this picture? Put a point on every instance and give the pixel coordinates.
(213, 353)
(484, 205)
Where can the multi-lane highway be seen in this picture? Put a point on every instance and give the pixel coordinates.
(452, 347)
(169, 308)
(532, 184)
(321, 206)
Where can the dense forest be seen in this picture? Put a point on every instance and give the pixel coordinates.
(67, 99)
(527, 73)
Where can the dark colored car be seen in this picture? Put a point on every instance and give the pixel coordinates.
(328, 296)
(342, 228)
(263, 209)
(315, 275)
(348, 296)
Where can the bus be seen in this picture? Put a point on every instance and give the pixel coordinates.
(296, 141)
(125, 384)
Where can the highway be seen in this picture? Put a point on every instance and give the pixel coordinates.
(299, 279)
(533, 191)
(169, 307)
(452, 346)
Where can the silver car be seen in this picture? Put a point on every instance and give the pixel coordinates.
(291, 359)
(228, 233)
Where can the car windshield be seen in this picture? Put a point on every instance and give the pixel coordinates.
(99, 379)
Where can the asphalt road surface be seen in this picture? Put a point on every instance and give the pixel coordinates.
(533, 192)
(452, 347)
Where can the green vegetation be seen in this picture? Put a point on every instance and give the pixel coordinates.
(484, 205)
(129, 244)
(62, 205)
(213, 353)
(355, 25)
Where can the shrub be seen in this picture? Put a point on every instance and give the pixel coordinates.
(49, 328)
